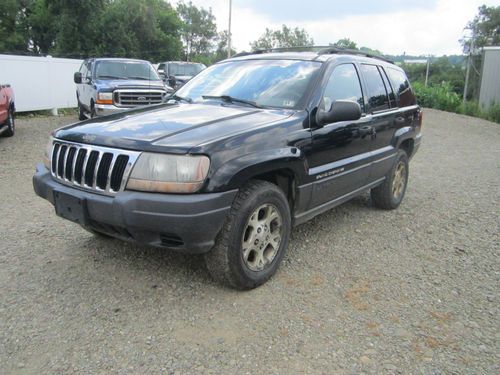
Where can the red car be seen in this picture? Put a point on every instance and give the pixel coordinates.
(7, 110)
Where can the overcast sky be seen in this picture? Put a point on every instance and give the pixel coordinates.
(391, 26)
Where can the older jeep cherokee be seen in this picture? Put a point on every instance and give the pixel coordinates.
(245, 150)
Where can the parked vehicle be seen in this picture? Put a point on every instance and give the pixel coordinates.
(245, 150)
(106, 86)
(177, 73)
(7, 111)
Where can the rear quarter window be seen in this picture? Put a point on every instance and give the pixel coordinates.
(402, 87)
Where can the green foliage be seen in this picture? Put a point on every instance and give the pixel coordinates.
(493, 113)
(345, 43)
(485, 27)
(14, 34)
(141, 29)
(284, 38)
(444, 98)
(198, 29)
(439, 96)
(440, 70)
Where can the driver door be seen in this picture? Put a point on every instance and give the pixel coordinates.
(340, 152)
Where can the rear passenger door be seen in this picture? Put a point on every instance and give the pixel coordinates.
(381, 105)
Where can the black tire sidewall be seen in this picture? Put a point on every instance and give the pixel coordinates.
(235, 254)
(11, 122)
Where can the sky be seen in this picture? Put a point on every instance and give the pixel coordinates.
(418, 27)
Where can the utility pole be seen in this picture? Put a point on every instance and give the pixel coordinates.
(229, 31)
(427, 70)
(468, 68)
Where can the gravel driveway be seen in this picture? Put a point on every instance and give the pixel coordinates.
(411, 291)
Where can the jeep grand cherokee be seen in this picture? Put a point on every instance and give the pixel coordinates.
(245, 150)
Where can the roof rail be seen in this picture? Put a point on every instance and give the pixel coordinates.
(320, 50)
(282, 49)
(336, 50)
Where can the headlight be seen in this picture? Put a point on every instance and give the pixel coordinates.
(47, 154)
(105, 98)
(168, 173)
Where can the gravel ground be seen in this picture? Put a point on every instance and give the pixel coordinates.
(412, 291)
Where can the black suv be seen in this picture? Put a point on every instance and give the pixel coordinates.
(245, 150)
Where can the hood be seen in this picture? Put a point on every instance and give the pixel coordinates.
(113, 84)
(172, 128)
(183, 78)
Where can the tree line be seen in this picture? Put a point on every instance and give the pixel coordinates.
(149, 29)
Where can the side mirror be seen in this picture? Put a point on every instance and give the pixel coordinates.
(341, 110)
(77, 77)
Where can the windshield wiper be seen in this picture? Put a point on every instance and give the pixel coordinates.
(230, 99)
(111, 77)
(142, 78)
(180, 98)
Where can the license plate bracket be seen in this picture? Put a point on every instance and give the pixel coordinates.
(70, 207)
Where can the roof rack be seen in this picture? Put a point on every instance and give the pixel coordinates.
(320, 50)
(336, 50)
(282, 49)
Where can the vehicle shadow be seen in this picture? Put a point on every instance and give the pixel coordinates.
(162, 266)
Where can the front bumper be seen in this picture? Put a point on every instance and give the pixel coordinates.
(108, 109)
(187, 223)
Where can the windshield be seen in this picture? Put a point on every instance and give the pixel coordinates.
(175, 69)
(268, 83)
(125, 70)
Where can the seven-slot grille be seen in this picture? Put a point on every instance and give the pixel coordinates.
(134, 98)
(96, 168)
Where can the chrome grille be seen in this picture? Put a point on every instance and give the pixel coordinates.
(135, 98)
(101, 169)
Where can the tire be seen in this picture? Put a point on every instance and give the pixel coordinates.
(254, 238)
(391, 192)
(92, 110)
(10, 123)
(81, 112)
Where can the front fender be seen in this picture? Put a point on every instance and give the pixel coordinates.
(236, 172)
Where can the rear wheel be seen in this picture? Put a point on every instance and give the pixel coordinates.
(254, 238)
(391, 192)
(10, 124)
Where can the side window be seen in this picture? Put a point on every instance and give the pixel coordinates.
(343, 85)
(388, 88)
(89, 69)
(401, 86)
(377, 96)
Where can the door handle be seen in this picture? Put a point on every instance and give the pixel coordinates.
(363, 131)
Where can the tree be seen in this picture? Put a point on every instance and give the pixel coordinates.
(345, 43)
(198, 29)
(14, 30)
(485, 28)
(284, 38)
(221, 51)
(146, 29)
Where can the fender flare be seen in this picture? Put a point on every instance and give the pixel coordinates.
(236, 172)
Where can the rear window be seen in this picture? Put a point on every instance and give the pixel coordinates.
(402, 87)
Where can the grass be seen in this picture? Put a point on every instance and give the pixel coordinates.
(444, 98)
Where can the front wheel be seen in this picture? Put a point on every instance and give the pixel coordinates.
(10, 124)
(254, 239)
(391, 192)
(81, 112)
